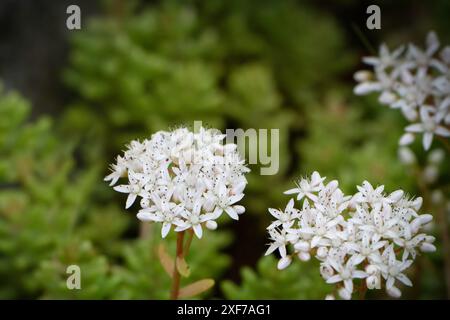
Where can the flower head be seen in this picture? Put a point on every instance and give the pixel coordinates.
(417, 82)
(184, 180)
(371, 235)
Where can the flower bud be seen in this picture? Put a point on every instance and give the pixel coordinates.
(394, 292)
(284, 263)
(366, 87)
(304, 256)
(417, 203)
(430, 174)
(239, 209)
(373, 282)
(363, 75)
(406, 156)
(211, 225)
(145, 203)
(322, 252)
(436, 197)
(302, 246)
(387, 97)
(427, 247)
(406, 139)
(436, 156)
(345, 294)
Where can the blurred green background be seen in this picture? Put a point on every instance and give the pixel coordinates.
(70, 100)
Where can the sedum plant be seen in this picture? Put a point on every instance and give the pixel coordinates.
(42, 199)
(184, 180)
(370, 235)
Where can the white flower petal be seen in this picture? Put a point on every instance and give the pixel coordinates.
(427, 140)
(198, 230)
(165, 229)
(130, 200)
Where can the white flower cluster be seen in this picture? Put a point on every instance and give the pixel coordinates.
(184, 179)
(416, 81)
(370, 235)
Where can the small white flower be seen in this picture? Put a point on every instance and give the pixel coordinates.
(385, 59)
(194, 219)
(119, 169)
(345, 273)
(225, 202)
(373, 196)
(162, 211)
(307, 188)
(279, 241)
(429, 126)
(135, 187)
(393, 270)
(285, 217)
(367, 248)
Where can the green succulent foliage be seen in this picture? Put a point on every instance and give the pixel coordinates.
(42, 196)
(301, 280)
(97, 279)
